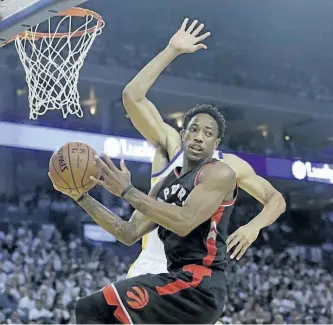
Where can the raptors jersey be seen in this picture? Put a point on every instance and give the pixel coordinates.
(151, 242)
(206, 244)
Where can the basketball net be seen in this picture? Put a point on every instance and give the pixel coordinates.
(52, 60)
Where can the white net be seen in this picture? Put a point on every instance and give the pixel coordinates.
(52, 61)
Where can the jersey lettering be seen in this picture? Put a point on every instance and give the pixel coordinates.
(175, 190)
(151, 242)
(207, 240)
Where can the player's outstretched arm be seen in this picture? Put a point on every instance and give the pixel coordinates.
(127, 232)
(264, 192)
(143, 112)
(216, 184)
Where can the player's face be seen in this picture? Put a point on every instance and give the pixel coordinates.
(200, 138)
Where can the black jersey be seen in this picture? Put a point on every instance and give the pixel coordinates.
(193, 291)
(206, 244)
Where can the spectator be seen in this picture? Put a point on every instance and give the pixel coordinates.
(43, 273)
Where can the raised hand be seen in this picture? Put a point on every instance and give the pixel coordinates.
(187, 38)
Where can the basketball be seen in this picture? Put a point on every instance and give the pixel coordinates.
(72, 165)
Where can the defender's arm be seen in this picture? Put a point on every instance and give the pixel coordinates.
(143, 112)
(259, 188)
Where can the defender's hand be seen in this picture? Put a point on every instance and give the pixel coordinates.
(242, 239)
(74, 194)
(187, 39)
(115, 180)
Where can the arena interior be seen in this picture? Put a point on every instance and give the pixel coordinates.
(268, 68)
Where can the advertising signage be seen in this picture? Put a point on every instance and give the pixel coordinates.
(131, 149)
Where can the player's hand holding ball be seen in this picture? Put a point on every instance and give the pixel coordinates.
(71, 167)
(187, 38)
(117, 181)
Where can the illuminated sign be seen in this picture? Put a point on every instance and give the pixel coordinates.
(312, 171)
(49, 139)
(94, 232)
(129, 149)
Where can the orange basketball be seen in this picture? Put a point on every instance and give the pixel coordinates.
(71, 167)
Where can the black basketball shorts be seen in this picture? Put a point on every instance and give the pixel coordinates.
(192, 295)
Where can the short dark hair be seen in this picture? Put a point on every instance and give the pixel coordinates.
(210, 110)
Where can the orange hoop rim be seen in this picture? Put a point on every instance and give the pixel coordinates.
(74, 12)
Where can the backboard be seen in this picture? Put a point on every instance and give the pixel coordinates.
(17, 16)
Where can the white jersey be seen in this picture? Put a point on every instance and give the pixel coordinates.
(151, 242)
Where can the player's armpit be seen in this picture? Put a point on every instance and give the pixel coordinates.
(148, 121)
(216, 183)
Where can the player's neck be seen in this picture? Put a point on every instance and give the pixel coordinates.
(190, 164)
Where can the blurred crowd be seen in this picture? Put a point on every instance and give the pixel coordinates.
(244, 53)
(285, 278)
(268, 287)
(42, 274)
(240, 55)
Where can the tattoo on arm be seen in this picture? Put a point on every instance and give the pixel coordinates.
(124, 231)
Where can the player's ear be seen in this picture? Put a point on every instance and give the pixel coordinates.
(217, 142)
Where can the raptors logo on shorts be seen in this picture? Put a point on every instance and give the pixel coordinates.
(138, 297)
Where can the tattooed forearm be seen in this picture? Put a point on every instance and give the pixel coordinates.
(124, 231)
(167, 215)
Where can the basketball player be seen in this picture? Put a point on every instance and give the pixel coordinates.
(167, 142)
(192, 206)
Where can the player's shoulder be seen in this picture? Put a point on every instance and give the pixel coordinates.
(239, 165)
(230, 158)
(217, 171)
(221, 169)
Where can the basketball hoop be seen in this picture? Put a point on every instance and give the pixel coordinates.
(52, 59)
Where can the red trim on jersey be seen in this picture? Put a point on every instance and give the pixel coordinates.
(196, 180)
(231, 202)
(175, 171)
(112, 300)
(215, 219)
(228, 203)
(211, 238)
(198, 273)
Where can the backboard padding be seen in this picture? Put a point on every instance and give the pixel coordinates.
(19, 15)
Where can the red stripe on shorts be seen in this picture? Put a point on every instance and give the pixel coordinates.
(198, 272)
(112, 300)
